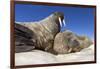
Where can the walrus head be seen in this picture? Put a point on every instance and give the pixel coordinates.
(59, 17)
(68, 42)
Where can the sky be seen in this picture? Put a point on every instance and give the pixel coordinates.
(79, 20)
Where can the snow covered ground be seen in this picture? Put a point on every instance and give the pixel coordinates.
(41, 57)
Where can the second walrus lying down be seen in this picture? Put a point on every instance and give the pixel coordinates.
(68, 42)
(44, 31)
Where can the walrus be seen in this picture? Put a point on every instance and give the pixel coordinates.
(68, 42)
(44, 31)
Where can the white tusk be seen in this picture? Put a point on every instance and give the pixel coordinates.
(69, 50)
(64, 22)
(60, 21)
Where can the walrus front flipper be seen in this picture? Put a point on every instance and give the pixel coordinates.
(23, 39)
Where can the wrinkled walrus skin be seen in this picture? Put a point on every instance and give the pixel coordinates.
(68, 42)
(44, 31)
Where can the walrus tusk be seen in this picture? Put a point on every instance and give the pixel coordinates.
(70, 49)
(64, 22)
(60, 21)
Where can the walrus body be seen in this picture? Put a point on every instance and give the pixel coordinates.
(67, 42)
(45, 30)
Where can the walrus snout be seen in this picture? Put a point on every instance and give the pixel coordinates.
(59, 15)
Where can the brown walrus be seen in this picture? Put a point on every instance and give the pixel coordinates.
(44, 31)
(68, 42)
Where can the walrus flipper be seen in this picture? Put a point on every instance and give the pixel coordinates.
(23, 39)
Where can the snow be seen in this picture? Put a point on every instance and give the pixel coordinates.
(41, 57)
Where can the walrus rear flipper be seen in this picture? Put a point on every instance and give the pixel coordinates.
(23, 39)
